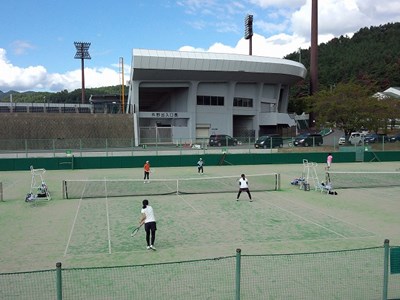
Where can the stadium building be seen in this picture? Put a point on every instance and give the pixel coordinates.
(184, 97)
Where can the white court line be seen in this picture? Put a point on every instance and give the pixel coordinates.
(197, 211)
(328, 215)
(323, 213)
(305, 219)
(172, 190)
(108, 218)
(73, 223)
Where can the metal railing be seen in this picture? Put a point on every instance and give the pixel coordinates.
(367, 273)
(22, 148)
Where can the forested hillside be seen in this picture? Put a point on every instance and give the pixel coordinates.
(60, 97)
(371, 57)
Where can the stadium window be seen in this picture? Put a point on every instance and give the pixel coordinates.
(210, 100)
(200, 100)
(242, 102)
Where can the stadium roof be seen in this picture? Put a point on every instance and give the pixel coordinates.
(393, 92)
(204, 66)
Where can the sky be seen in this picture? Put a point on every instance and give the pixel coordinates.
(37, 37)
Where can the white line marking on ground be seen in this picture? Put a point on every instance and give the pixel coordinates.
(338, 219)
(197, 211)
(108, 218)
(74, 222)
(305, 219)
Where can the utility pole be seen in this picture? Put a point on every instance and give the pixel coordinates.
(314, 48)
(313, 56)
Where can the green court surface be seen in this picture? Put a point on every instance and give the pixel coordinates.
(89, 232)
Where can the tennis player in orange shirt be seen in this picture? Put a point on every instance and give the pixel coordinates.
(146, 168)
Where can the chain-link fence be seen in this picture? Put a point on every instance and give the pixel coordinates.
(368, 273)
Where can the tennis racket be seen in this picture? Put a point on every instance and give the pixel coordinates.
(135, 231)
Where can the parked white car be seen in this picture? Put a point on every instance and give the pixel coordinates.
(356, 138)
(342, 141)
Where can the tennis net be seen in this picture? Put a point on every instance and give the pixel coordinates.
(97, 188)
(342, 180)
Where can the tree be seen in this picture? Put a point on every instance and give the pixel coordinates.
(350, 107)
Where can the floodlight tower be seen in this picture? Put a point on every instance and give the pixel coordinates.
(82, 52)
(248, 31)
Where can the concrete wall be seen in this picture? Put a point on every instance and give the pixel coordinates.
(62, 163)
(65, 126)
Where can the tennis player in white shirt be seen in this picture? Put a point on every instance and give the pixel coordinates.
(243, 187)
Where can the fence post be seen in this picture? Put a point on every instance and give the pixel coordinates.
(238, 256)
(26, 148)
(59, 281)
(54, 147)
(385, 270)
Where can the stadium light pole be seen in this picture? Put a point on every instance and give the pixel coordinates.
(248, 32)
(82, 53)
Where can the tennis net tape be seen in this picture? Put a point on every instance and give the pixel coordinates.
(93, 188)
(341, 180)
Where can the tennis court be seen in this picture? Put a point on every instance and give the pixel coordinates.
(87, 232)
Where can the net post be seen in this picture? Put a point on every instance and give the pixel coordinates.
(237, 283)
(64, 189)
(278, 181)
(385, 270)
(58, 281)
(1, 191)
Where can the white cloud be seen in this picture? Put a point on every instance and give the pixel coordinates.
(13, 77)
(37, 78)
(275, 46)
(278, 3)
(293, 18)
(21, 47)
(280, 27)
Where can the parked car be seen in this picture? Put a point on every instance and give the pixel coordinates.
(269, 141)
(342, 141)
(308, 139)
(356, 138)
(394, 138)
(375, 138)
(222, 140)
